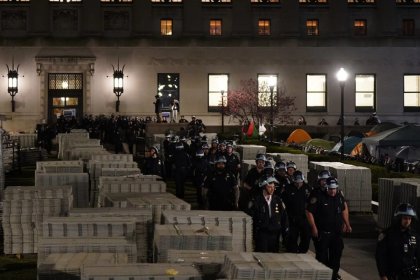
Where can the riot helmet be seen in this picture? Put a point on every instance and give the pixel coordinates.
(332, 183)
(291, 164)
(266, 180)
(324, 174)
(405, 209)
(199, 153)
(260, 157)
(280, 166)
(298, 177)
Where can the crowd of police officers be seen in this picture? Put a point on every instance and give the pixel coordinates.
(287, 212)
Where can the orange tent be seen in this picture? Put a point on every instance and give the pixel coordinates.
(298, 136)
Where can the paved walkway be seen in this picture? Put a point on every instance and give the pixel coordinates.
(358, 260)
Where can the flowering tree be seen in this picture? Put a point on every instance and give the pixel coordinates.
(249, 103)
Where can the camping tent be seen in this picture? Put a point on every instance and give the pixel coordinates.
(298, 136)
(390, 141)
(349, 144)
(380, 128)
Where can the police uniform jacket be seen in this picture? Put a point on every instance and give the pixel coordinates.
(153, 166)
(200, 170)
(396, 251)
(232, 162)
(262, 221)
(295, 200)
(221, 186)
(252, 179)
(327, 211)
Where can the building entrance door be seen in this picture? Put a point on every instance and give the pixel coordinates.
(65, 96)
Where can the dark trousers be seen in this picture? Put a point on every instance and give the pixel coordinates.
(267, 241)
(329, 248)
(180, 178)
(168, 169)
(299, 236)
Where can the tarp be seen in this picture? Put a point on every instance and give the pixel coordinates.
(408, 153)
(349, 144)
(381, 127)
(390, 141)
(298, 136)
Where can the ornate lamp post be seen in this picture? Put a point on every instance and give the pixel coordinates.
(222, 93)
(12, 82)
(272, 83)
(118, 84)
(342, 78)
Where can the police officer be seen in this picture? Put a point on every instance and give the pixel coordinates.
(268, 169)
(250, 187)
(280, 175)
(269, 217)
(398, 250)
(295, 197)
(319, 187)
(324, 213)
(233, 164)
(221, 188)
(153, 163)
(291, 167)
(182, 164)
(200, 169)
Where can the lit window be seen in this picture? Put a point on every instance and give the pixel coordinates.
(312, 27)
(216, 1)
(313, 1)
(412, 92)
(166, 1)
(365, 92)
(316, 92)
(408, 27)
(166, 27)
(218, 83)
(264, 27)
(117, 1)
(264, 90)
(361, 1)
(66, 1)
(215, 27)
(265, 1)
(15, 0)
(167, 89)
(360, 27)
(407, 1)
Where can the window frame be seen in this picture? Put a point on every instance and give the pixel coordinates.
(404, 28)
(317, 108)
(275, 91)
(214, 29)
(165, 106)
(309, 33)
(264, 28)
(166, 26)
(360, 31)
(365, 108)
(411, 108)
(212, 108)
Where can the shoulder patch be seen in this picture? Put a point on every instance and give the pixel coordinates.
(313, 200)
(381, 236)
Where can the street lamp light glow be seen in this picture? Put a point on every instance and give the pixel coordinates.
(342, 75)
